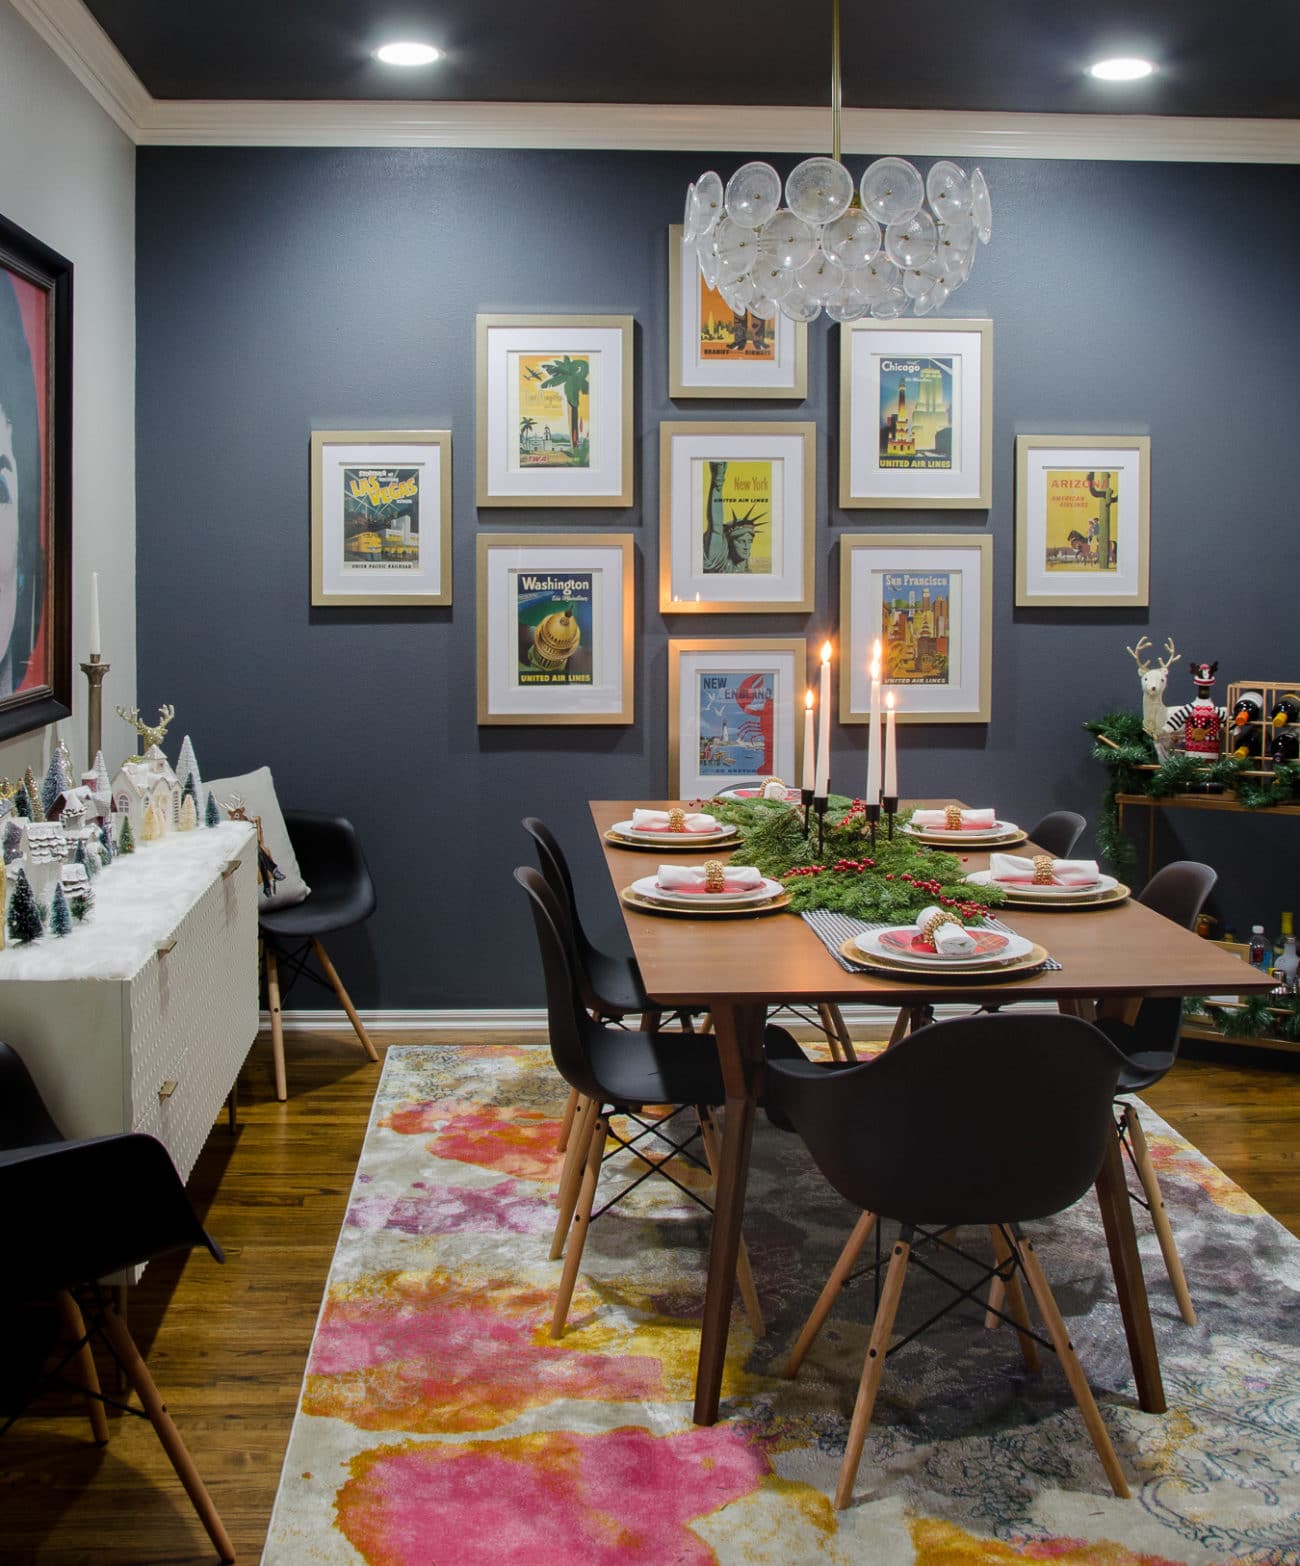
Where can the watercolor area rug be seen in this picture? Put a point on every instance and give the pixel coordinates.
(440, 1426)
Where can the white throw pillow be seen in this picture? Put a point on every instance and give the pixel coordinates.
(257, 790)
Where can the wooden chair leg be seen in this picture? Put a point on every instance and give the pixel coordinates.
(1047, 1309)
(83, 1366)
(1159, 1217)
(277, 1019)
(566, 1124)
(575, 1161)
(902, 1025)
(744, 1273)
(837, 1032)
(138, 1374)
(872, 1371)
(839, 1274)
(345, 1000)
(651, 1020)
(1014, 1296)
(581, 1223)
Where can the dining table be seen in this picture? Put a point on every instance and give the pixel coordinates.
(1111, 956)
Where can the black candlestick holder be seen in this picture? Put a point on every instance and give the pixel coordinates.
(890, 802)
(873, 820)
(819, 805)
(806, 795)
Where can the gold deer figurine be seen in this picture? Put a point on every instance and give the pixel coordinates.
(150, 734)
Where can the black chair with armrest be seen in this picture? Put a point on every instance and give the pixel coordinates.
(342, 894)
(919, 1135)
(71, 1214)
(1148, 1039)
(618, 1072)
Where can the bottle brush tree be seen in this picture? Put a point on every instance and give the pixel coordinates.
(60, 913)
(24, 912)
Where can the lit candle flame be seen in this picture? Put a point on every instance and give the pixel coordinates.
(808, 699)
(826, 652)
(889, 700)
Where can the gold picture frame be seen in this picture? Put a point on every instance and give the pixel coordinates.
(745, 725)
(1079, 498)
(554, 410)
(936, 642)
(932, 450)
(702, 364)
(381, 519)
(555, 628)
(760, 560)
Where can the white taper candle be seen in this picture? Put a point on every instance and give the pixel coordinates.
(95, 648)
(809, 745)
(891, 751)
(822, 783)
(872, 795)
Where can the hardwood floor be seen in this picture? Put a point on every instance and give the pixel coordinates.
(227, 1345)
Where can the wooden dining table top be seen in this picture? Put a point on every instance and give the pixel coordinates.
(1115, 950)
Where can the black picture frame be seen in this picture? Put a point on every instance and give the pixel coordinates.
(35, 460)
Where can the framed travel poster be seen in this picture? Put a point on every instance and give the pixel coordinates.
(35, 483)
(928, 597)
(715, 351)
(916, 414)
(554, 410)
(555, 628)
(731, 712)
(1083, 521)
(736, 517)
(380, 517)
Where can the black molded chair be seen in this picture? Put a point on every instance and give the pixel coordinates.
(919, 1135)
(1149, 1043)
(71, 1213)
(1058, 832)
(342, 894)
(618, 1072)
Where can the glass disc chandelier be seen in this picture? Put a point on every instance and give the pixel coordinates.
(898, 240)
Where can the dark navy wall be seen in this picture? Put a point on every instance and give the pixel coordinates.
(285, 290)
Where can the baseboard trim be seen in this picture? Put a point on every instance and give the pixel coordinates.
(532, 1019)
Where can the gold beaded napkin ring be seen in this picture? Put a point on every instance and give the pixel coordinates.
(714, 878)
(677, 819)
(933, 923)
(953, 817)
(1043, 867)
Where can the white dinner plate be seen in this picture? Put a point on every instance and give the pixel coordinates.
(999, 829)
(1048, 894)
(722, 834)
(649, 888)
(871, 945)
(793, 796)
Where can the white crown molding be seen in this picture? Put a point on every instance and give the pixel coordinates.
(85, 48)
(74, 35)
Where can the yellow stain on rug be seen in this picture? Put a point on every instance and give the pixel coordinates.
(1176, 1159)
(939, 1543)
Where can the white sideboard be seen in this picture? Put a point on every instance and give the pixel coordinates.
(140, 1019)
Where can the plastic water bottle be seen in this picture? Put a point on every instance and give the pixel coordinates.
(1261, 954)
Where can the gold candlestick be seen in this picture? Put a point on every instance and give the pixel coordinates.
(94, 671)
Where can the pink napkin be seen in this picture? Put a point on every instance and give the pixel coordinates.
(1015, 870)
(971, 820)
(691, 878)
(657, 821)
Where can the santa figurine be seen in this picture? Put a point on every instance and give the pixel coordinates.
(1203, 726)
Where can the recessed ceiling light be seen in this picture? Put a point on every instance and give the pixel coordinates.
(408, 54)
(1121, 70)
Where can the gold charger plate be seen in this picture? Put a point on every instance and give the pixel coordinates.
(677, 842)
(956, 846)
(1119, 893)
(732, 911)
(1017, 968)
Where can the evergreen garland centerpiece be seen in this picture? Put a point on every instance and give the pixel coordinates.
(889, 884)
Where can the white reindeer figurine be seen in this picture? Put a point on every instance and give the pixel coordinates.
(1155, 715)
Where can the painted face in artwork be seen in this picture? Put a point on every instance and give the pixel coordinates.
(8, 532)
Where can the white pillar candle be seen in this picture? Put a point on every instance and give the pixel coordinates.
(822, 784)
(891, 752)
(872, 796)
(809, 745)
(94, 615)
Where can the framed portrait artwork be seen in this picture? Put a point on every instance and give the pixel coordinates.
(35, 483)
(1083, 520)
(731, 712)
(380, 517)
(916, 414)
(555, 628)
(554, 410)
(928, 597)
(736, 517)
(715, 351)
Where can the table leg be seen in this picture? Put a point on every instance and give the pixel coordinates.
(1130, 1286)
(739, 1033)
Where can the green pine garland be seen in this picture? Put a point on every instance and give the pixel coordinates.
(1255, 1017)
(891, 885)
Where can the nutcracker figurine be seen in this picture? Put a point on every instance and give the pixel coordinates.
(1203, 726)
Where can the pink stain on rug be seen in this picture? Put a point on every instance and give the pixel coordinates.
(503, 1208)
(519, 1142)
(623, 1498)
(424, 1352)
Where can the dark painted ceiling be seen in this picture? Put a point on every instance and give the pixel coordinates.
(1024, 55)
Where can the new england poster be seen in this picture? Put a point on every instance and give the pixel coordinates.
(737, 715)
